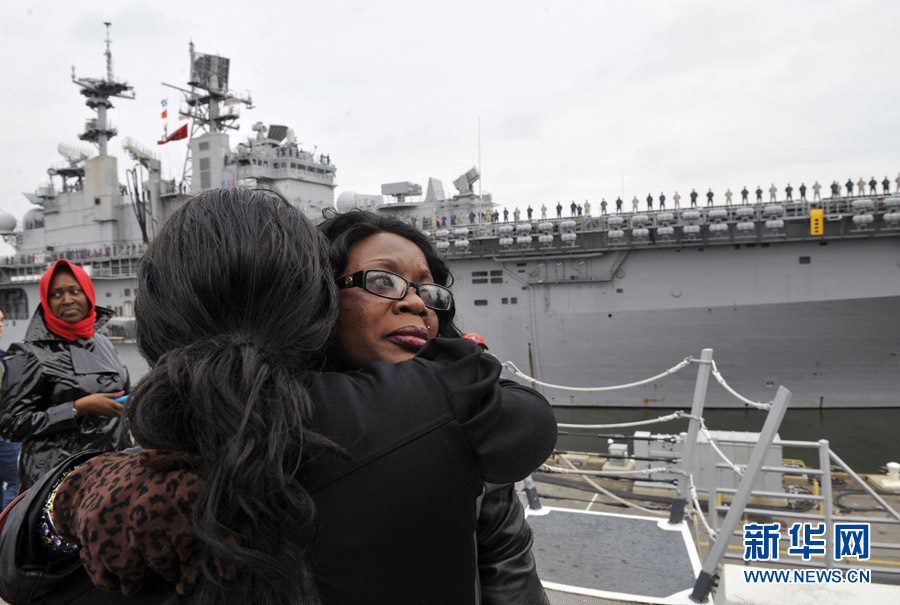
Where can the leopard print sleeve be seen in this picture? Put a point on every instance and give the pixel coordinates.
(133, 516)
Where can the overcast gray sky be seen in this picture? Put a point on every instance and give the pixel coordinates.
(575, 98)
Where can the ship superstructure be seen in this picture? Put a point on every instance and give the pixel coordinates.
(803, 293)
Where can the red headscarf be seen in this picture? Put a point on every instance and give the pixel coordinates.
(85, 327)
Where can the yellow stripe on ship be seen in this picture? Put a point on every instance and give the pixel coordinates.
(816, 221)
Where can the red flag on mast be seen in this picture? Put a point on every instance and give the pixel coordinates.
(181, 133)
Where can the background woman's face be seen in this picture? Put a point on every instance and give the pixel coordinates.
(371, 328)
(66, 298)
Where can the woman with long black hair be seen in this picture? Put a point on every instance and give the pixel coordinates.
(262, 479)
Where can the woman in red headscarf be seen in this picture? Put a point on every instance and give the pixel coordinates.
(60, 385)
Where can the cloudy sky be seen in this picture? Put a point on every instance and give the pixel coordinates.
(579, 99)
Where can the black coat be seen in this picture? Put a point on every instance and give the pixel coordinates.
(44, 375)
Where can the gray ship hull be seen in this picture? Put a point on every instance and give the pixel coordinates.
(787, 314)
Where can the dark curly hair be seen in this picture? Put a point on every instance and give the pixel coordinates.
(235, 300)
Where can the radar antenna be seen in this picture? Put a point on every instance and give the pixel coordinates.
(98, 92)
(74, 155)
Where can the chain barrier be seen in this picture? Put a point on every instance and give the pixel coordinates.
(516, 371)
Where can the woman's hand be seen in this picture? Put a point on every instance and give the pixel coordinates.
(99, 404)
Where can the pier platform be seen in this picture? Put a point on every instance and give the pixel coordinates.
(612, 558)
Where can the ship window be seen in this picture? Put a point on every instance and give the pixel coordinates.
(204, 163)
(479, 273)
(203, 146)
(15, 303)
(127, 291)
(497, 272)
(96, 201)
(293, 165)
(804, 260)
(619, 290)
(496, 280)
(513, 301)
(480, 303)
(521, 264)
(109, 295)
(480, 280)
(504, 301)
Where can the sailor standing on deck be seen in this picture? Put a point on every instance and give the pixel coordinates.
(758, 194)
(662, 200)
(744, 194)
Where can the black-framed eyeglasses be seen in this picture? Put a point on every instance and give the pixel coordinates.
(390, 285)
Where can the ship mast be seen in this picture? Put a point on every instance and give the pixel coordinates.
(209, 89)
(98, 92)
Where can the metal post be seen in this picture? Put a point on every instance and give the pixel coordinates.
(690, 443)
(827, 499)
(531, 494)
(712, 497)
(704, 583)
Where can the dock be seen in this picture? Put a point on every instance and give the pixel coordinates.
(590, 550)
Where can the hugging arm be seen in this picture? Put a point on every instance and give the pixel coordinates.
(511, 428)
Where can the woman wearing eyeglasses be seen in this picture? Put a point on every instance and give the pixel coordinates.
(60, 384)
(393, 300)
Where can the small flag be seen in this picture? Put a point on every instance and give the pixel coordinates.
(165, 113)
(181, 133)
(164, 102)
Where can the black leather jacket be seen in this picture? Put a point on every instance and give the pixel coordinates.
(44, 375)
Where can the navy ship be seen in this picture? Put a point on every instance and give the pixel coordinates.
(801, 292)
